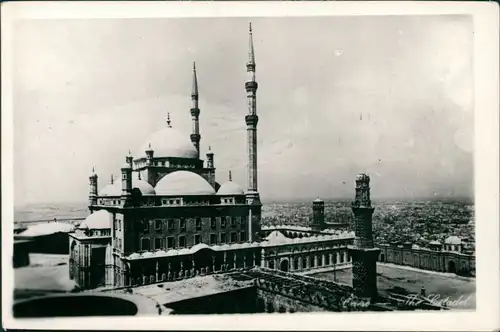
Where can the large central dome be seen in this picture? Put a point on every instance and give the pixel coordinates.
(168, 142)
(181, 183)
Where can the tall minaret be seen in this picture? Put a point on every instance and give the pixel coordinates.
(195, 113)
(363, 252)
(251, 119)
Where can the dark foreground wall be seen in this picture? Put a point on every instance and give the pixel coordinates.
(57, 243)
(21, 254)
(242, 301)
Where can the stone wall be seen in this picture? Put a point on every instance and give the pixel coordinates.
(422, 258)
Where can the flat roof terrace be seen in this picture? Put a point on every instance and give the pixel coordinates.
(175, 291)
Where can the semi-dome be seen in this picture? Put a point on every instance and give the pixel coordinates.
(183, 183)
(98, 220)
(230, 188)
(116, 188)
(453, 240)
(143, 186)
(168, 142)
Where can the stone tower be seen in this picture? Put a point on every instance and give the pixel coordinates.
(210, 158)
(93, 188)
(211, 166)
(364, 254)
(251, 119)
(318, 220)
(126, 179)
(195, 113)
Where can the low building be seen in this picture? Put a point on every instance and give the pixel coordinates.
(47, 238)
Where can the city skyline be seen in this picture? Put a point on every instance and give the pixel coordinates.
(403, 115)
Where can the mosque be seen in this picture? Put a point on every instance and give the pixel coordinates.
(169, 218)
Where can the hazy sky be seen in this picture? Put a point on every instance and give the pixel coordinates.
(391, 96)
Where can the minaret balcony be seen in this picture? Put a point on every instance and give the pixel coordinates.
(195, 111)
(251, 86)
(251, 119)
(195, 138)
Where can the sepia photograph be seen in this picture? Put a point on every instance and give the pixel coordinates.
(244, 164)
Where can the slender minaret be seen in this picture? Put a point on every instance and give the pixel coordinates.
(251, 119)
(93, 188)
(195, 113)
(364, 254)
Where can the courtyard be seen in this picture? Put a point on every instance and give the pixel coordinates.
(445, 289)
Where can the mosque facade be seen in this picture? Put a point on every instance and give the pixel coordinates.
(169, 218)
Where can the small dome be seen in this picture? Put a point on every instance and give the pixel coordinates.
(98, 220)
(116, 188)
(134, 256)
(318, 200)
(230, 188)
(168, 142)
(183, 183)
(276, 237)
(435, 242)
(198, 246)
(111, 190)
(453, 240)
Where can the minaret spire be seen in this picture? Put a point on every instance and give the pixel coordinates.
(112, 178)
(195, 113)
(194, 90)
(251, 54)
(230, 176)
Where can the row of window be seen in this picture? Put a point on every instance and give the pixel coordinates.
(214, 221)
(99, 232)
(169, 202)
(178, 201)
(163, 164)
(159, 242)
